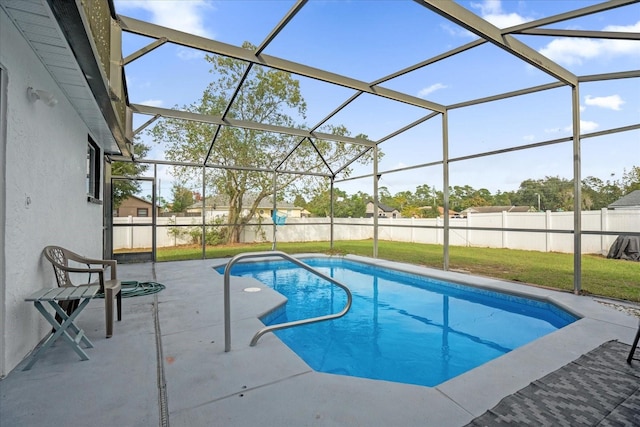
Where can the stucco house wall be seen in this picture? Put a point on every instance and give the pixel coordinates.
(45, 198)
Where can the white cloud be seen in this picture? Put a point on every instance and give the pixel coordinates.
(427, 90)
(456, 31)
(491, 10)
(488, 6)
(585, 126)
(182, 15)
(573, 51)
(152, 102)
(529, 138)
(555, 130)
(505, 20)
(612, 102)
(624, 47)
(187, 54)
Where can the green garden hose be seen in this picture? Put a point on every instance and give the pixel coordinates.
(134, 288)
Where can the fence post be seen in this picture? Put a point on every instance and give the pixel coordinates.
(504, 233)
(547, 226)
(468, 232)
(130, 233)
(604, 226)
(413, 223)
(175, 235)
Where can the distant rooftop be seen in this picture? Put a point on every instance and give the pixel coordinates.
(631, 200)
(492, 209)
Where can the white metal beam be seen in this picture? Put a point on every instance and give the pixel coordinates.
(463, 17)
(245, 124)
(615, 35)
(189, 40)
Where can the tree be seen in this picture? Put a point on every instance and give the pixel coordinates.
(402, 200)
(463, 197)
(267, 96)
(354, 206)
(319, 205)
(300, 201)
(556, 194)
(503, 199)
(160, 201)
(384, 196)
(630, 180)
(344, 206)
(122, 189)
(182, 198)
(425, 196)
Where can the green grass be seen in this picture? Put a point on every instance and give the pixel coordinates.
(600, 276)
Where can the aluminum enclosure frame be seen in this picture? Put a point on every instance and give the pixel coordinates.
(488, 33)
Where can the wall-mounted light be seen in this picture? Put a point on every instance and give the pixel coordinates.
(43, 95)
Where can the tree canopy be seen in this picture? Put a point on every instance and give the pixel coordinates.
(124, 188)
(552, 193)
(182, 198)
(266, 96)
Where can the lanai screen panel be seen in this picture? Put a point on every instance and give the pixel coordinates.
(376, 67)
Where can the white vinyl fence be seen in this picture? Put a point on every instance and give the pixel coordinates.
(416, 230)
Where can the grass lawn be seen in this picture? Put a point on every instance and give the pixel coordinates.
(600, 276)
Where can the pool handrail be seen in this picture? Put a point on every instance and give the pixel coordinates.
(256, 337)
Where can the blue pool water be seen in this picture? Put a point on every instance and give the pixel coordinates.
(402, 327)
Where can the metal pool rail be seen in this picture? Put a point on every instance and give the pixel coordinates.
(256, 337)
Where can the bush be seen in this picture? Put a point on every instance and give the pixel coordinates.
(215, 232)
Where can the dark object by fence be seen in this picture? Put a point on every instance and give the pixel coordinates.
(625, 247)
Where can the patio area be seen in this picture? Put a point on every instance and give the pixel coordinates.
(166, 365)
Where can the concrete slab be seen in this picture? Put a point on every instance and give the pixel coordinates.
(166, 363)
(316, 399)
(117, 386)
(196, 362)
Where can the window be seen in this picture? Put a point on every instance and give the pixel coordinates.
(143, 212)
(93, 171)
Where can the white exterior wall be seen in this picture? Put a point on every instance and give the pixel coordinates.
(45, 164)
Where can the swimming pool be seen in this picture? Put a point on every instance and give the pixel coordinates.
(402, 327)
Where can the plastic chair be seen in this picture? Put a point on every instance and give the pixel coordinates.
(60, 257)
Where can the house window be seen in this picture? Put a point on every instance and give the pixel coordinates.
(143, 212)
(93, 171)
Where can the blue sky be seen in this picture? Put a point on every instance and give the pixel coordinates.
(368, 40)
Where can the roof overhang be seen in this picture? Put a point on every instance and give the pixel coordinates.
(59, 34)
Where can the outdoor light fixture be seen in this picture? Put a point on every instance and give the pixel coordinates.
(43, 95)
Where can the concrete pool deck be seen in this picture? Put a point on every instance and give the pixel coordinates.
(166, 365)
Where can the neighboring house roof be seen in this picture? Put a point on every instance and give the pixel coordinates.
(140, 199)
(492, 209)
(441, 211)
(631, 200)
(383, 207)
